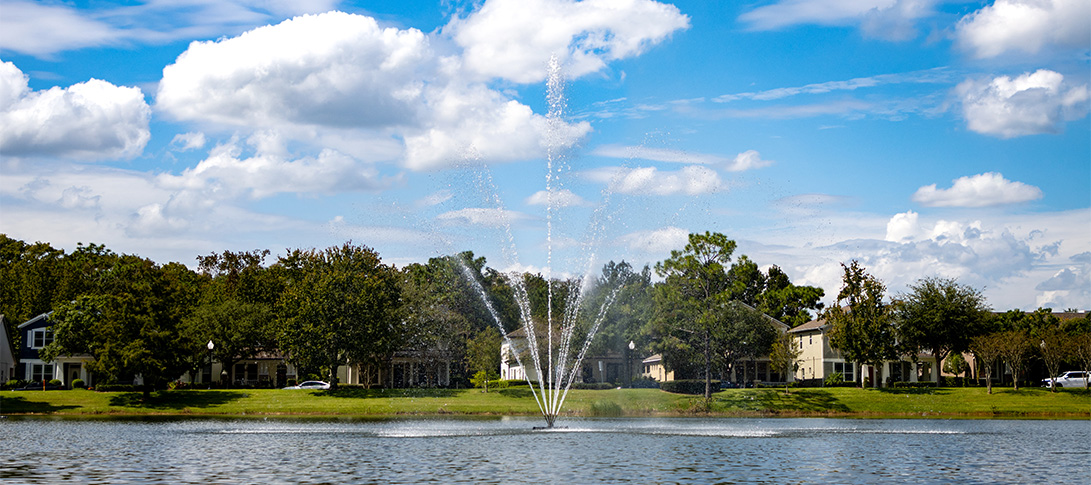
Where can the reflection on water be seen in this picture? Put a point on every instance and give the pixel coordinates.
(508, 450)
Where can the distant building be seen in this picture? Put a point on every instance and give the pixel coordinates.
(7, 354)
(35, 334)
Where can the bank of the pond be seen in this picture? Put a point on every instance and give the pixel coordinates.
(847, 402)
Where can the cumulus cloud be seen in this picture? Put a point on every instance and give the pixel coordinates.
(973, 250)
(748, 160)
(561, 198)
(584, 35)
(345, 72)
(886, 19)
(1025, 25)
(1033, 103)
(333, 69)
(987, 189)
(226, 173)
(88, 120)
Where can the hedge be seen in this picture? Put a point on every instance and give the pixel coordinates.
(688, 386)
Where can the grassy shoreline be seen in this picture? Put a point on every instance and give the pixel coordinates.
(968, 403)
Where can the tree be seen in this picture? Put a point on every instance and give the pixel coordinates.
(128, 323)
(624, 320)
(785, 356)
(861, 322)
(239, 331)
(956, 365)
(941, 316)
(341, 307)
(987, 349)
(1055, 349)
(1016, 346)
(1081, 350)
(691, 298)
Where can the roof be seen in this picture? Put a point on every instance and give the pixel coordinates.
(653, 359)
(811, 325)
(35, 319)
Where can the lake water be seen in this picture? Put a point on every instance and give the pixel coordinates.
(508, 450)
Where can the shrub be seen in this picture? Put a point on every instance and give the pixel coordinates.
(645, 383)
(118, 388)
(835, 379)
(79, 384)
(687, 386)
(605, 408)
(56, 382)
(14, 384)
(595, 386)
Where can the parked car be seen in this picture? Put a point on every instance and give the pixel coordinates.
(1072, 378)
(311, 385)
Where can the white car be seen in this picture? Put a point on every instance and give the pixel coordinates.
(311, 385)
(1072, 378)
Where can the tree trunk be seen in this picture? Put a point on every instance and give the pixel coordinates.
(708, 367)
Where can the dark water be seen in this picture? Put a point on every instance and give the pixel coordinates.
(673, 450)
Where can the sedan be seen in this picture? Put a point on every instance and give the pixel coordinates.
(311, 385)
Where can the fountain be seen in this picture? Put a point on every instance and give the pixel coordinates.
(556, 361)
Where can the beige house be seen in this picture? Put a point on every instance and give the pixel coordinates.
(594, 368)
(818, 360)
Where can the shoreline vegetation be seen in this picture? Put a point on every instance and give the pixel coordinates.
(842, 402)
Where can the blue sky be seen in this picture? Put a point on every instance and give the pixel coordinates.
(921, 137)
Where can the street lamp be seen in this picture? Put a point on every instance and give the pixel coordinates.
(210, 347)
(629, 362)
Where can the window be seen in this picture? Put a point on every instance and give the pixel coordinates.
(41, 372)
(41, 337)
(846, 370)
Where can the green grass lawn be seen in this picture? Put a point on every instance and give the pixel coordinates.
(841, 401)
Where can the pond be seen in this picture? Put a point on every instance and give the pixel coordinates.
(509, 450)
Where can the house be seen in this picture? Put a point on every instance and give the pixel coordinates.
(7, 355)
(609, 367)
(35, 334)
(654, 368)
(818, 360)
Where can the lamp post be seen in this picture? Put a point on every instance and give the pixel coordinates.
(210, 347)
(629, 362)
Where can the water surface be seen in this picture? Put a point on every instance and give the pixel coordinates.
(508, 450)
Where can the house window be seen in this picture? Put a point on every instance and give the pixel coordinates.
(41, 372)
(41, 337)
(810, 339)
(846, 370)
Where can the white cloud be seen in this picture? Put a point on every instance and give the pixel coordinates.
(152, 21)
(659, 241)
(691, 180)
(227, 174)
(512, 39)
(333, 69)
(987, 189)
(748, 160)
(478, 216)
(657, 154)
(477, 123)
(88, 120)
(886, 19)
(1033, 103)
(1025, 25)
(561, 198)
(188, 141)
(348, 74)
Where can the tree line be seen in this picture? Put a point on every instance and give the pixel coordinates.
(946, 319)
(322, 309)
